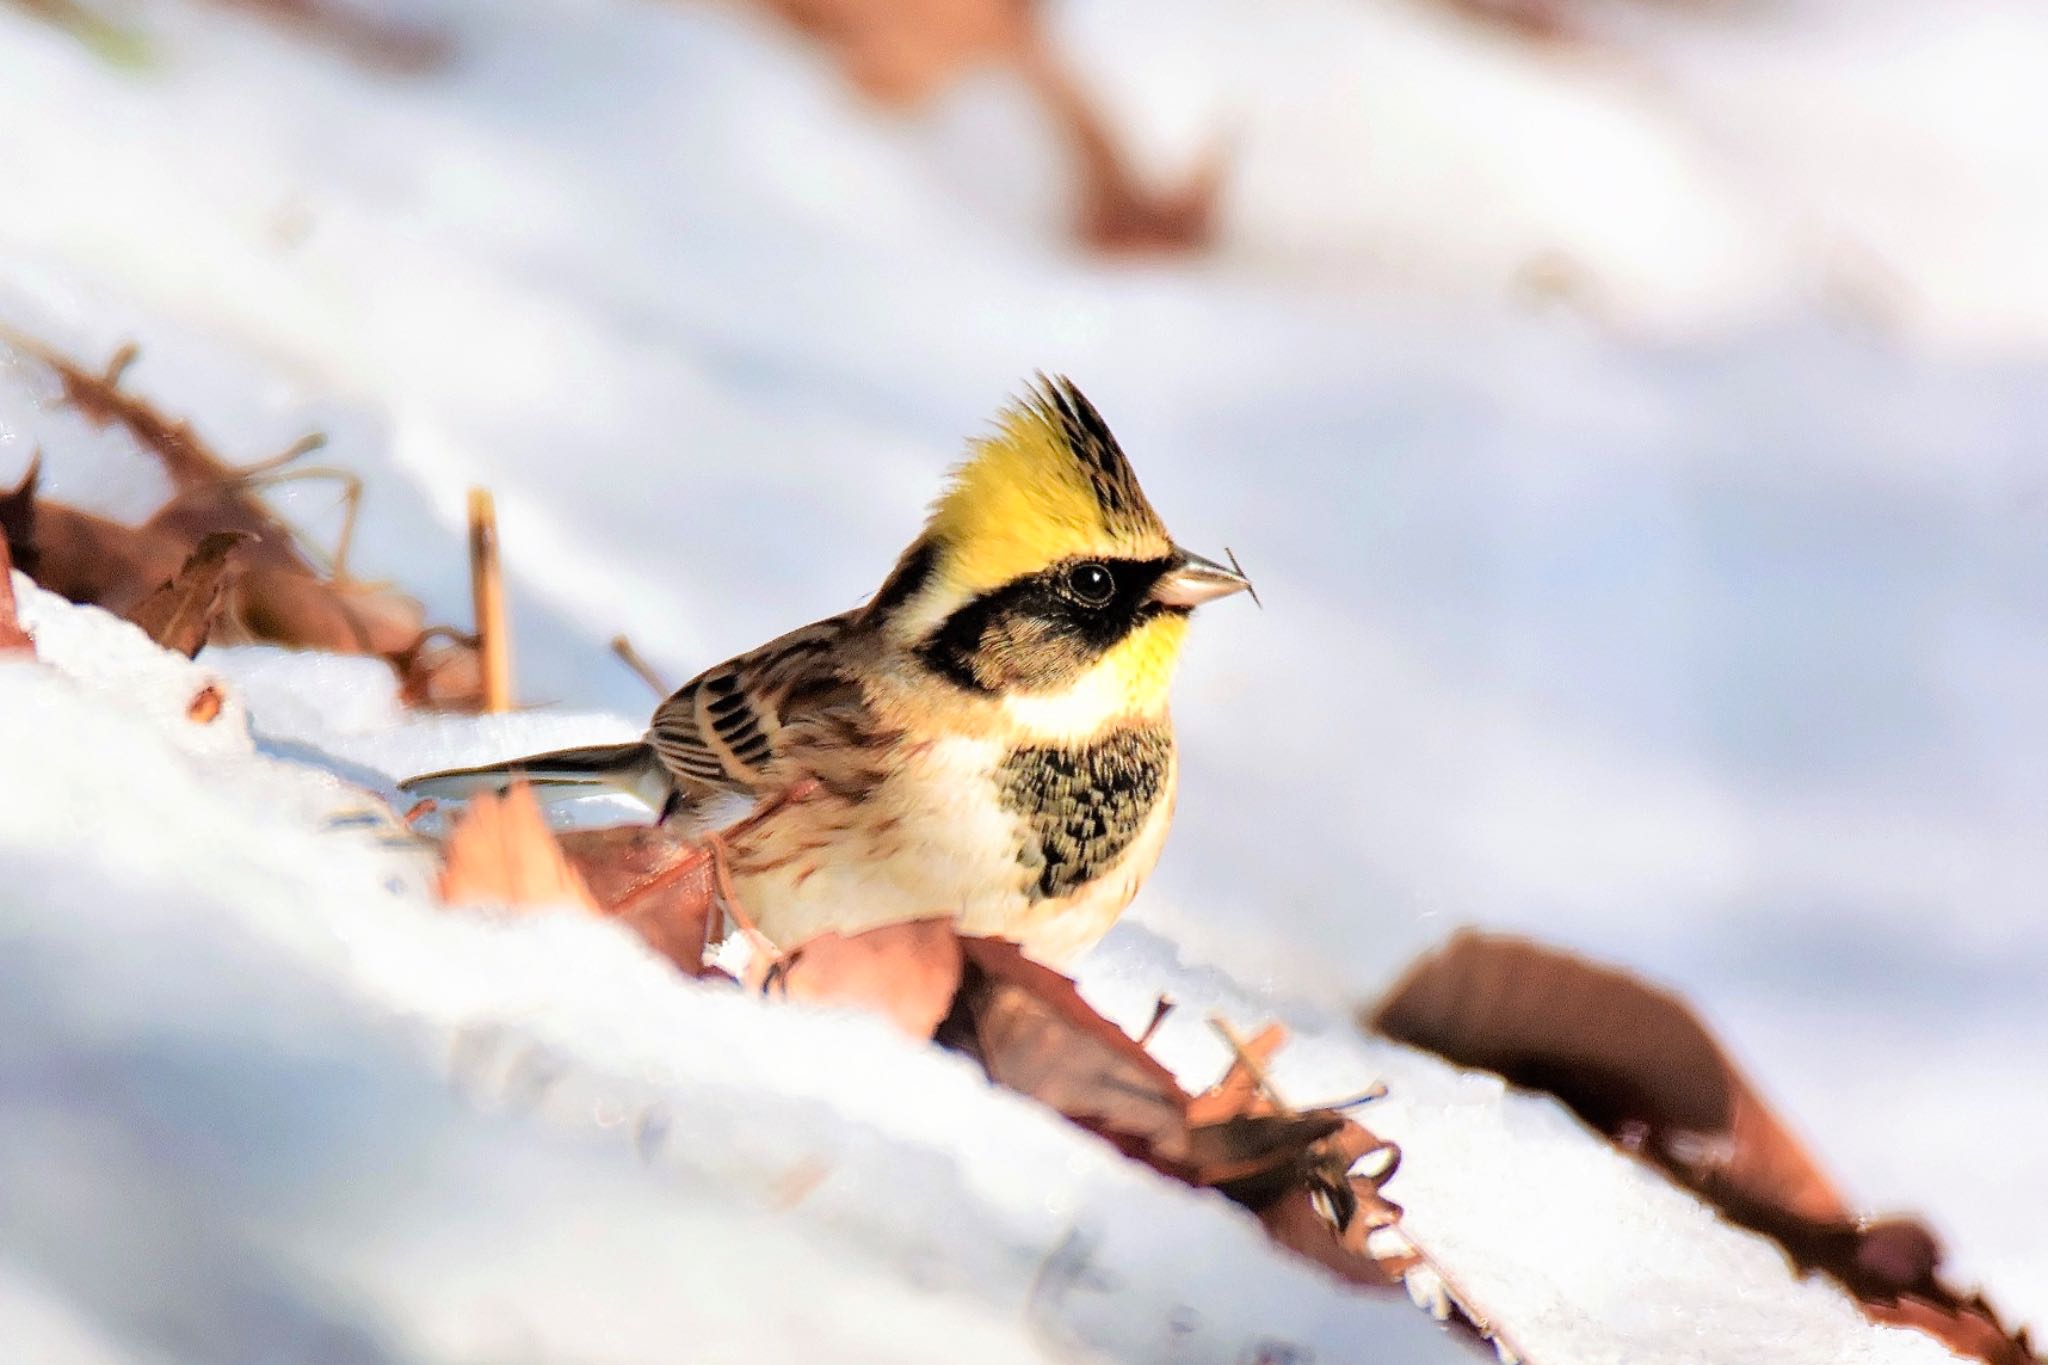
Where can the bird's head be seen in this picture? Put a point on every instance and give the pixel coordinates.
(1045, 577)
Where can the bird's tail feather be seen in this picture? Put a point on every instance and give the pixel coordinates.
(629, 768)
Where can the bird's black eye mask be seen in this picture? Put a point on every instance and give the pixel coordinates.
(1040, 632)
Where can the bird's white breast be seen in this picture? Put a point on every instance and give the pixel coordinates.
(936, 839)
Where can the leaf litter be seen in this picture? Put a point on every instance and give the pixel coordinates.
(1638, 1065)
(1634, 1062)
(1313, 1177)
(271, 589)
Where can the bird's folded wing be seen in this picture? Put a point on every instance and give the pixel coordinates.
(720, 732)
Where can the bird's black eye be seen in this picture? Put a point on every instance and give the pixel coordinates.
(1091, 584)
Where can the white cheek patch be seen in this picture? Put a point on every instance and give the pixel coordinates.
(1079, 712)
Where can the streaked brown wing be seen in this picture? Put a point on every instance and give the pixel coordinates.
(718, 733)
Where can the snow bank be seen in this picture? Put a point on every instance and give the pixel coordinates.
(262, 1099)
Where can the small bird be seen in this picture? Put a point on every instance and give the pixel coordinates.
(987, 738)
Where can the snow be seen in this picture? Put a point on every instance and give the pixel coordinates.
(233, 1021)
(1687, 616)
(262, 1096)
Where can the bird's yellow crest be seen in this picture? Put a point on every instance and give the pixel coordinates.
(1049, 484)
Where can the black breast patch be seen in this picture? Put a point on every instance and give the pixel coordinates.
(1084, 804)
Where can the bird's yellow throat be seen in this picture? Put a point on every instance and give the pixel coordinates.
(1141, 664)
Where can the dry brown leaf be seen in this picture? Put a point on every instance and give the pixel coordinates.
(293, 607)
(500, 851)
(89, 559)
(208, 493)
(204, 708)
(1239, 1090)
(1619, 1052)
(1255, 1158)
(1119, 211)
(280, 597)
(904, 52)
(1632, 1060)
(17, 516)
(1638, 1065)
(13, 639)
(908, 973)
(440, 672)
(180, 614)
(82, 557)
(1891, 1266)
(1294, 1221)
(99, 399)
(1329, 1216)
(1971, 1331)
(656, 883)
(1033, 1033)
(230, 503)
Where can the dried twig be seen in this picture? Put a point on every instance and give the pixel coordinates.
(1250, 1062)
(1161, 1007)
(488, 586)
(1251, 591)
(643, 670)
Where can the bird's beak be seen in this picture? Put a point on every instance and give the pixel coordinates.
(1194, 580)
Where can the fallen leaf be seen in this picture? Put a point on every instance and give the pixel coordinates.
(293, 606)
(180, 614)
(280, 596)
(1331, 1217)
(500, 851)
(907, 972)
(656, 883)
(1892, 1267)
(1638, 1065)
(439, 670)
(17, 516)
(81, 557)
(1631, 1060)
(13, 639)
(1238, 1091)
(204, 708)
(903, 53)
(1255, 1158)
(1033, 1033)
(1120, 210)
(1973, 1331)
(98, 398)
